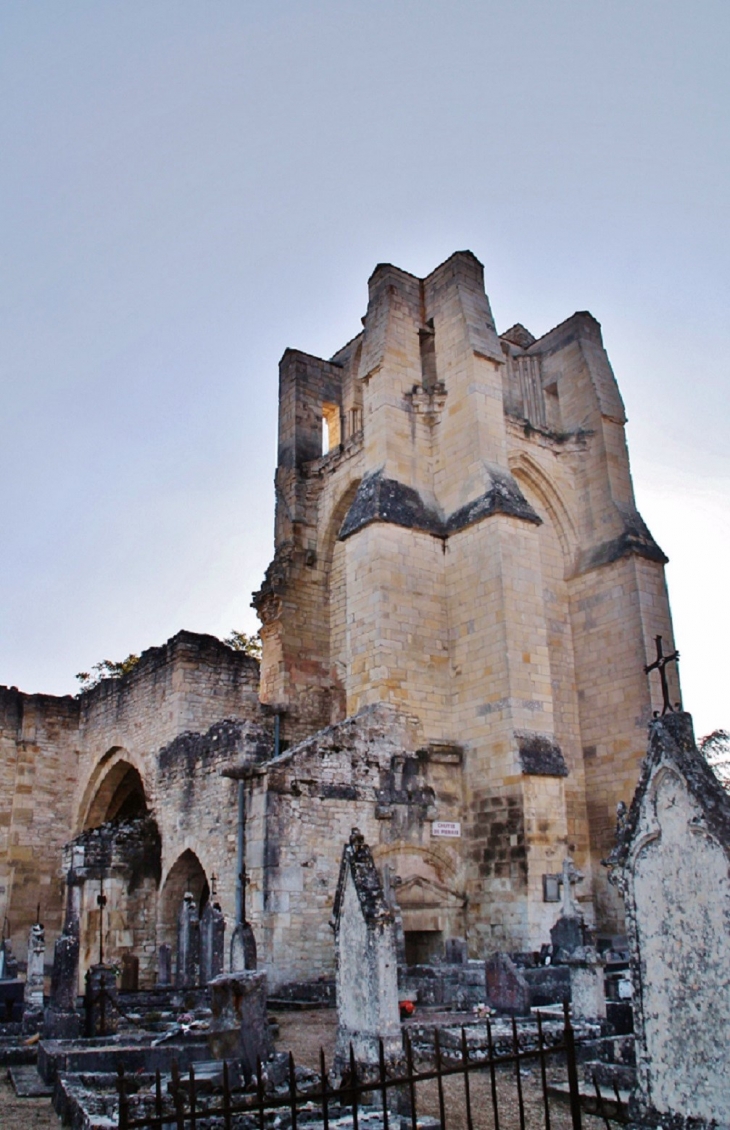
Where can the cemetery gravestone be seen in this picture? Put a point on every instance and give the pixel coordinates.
(507, 988)
(366, 960)
(239, 1026)
(33, 993)
(188, 945)
(212, 942)
(130, 973)
(164, 965)
(672, 866)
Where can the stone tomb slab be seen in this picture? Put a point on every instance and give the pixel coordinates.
(27, 1083)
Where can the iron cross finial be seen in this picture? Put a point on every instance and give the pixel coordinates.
(659, 665)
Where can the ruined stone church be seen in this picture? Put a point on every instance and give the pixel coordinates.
(455, 625)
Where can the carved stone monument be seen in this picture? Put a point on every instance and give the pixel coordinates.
(672, 866)
(164, 965)
(61, 1019)
(212, 942)
(100, 1001)
(187, 972)
(33, 993)
(366, 960)
(569, 932)
(239, 1027)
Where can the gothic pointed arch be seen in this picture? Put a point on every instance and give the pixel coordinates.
(186, 874)
(115, 791)
(336, 584)
(528, 471)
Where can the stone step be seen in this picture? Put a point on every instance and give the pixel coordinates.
(623, 1075)
(608, 1107)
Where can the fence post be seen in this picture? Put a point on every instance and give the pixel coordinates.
(543, 1071)
(123, 1100)
(572, 1068)
(353, 1083)
(158, 1099)
(467, 1088)
(492, 1076)
(518, 1076)
(227, 1096)
(260, 1099)
(177, 1096)
(193, 1119)
(293, 1091)
(411, 1083)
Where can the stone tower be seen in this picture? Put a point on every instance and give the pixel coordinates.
(457, 537)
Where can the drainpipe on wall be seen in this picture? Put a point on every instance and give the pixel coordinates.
(241, 860)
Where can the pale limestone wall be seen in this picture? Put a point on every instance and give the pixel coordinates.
(530, 619)
(38, 770)
(301, 808)
(397, 623)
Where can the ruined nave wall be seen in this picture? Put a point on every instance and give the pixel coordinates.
(61, 758)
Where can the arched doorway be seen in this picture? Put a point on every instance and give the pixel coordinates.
(121, 850)
(186, 874)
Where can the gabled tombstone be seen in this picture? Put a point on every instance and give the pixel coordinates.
(672, 867)
(366, 960)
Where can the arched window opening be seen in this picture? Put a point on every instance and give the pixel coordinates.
(120, 797)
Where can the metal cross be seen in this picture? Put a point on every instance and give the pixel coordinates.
(659, 665)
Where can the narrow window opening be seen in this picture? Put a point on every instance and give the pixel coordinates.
(427, 342)
(331, 428)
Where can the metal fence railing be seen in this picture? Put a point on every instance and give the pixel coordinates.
(383, 1096)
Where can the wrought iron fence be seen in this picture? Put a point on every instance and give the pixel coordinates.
(382, 1096)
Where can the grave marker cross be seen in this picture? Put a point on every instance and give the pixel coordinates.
(659, 665)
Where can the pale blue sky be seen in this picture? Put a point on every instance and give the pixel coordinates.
(188, 188)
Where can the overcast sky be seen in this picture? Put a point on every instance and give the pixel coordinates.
(187, 188)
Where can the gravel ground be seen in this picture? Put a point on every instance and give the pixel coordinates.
(24, 1114)
(305, 1032)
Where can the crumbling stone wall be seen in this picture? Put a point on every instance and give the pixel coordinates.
(301, 808)
(63, 757)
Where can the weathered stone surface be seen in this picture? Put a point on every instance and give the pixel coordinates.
(367, 966)
(34, 979)
(672, 865)
(187, 969)
(212, 942)
(587, 988)
(100, 1001)
(130, 973)
(164, 965)
(239, 1027)
(507, 988)
(568, 934)
(243, 948)
(34, 967)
